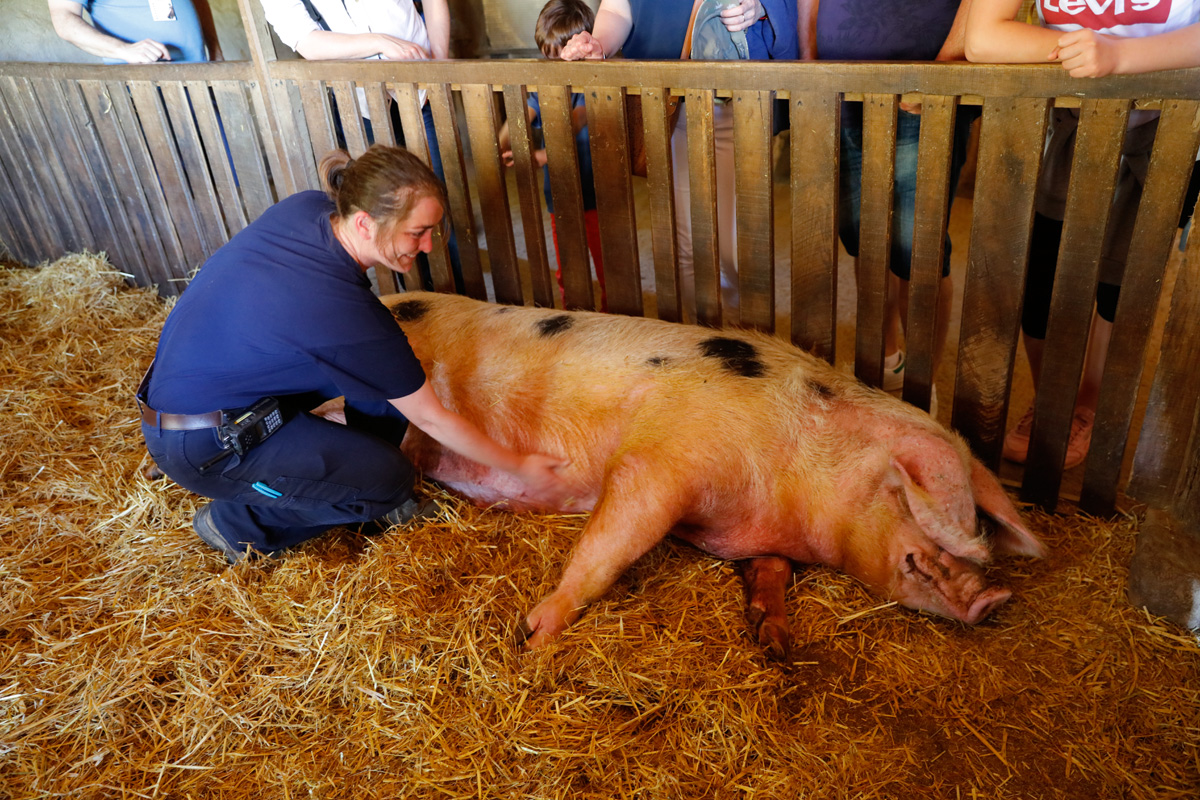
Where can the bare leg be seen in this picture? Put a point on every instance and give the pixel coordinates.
(1093, 364)
(765, 581)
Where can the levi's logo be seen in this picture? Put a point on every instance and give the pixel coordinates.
(1100, 14)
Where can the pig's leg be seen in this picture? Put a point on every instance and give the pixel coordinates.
(766, 580)
(632, 516)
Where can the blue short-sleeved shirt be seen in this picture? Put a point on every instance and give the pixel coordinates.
(583, 148)
(283, 310)
(131, 21)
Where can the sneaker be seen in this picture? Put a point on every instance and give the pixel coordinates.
(411, 510)
(1016, 443)
(207, 531)
(893, 372)
(1081, 437)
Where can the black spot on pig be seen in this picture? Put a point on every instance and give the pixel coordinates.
(551, 326)
(820, 388)
(736, 356)
(658, 361)
(410, 310)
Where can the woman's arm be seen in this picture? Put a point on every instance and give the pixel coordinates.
(614, 21)
(328, 45)
(69, 24)
(437, 25)
(995, 36)
(1087, 54)
(539, 472)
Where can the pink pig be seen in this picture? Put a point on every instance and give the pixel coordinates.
(737, 442)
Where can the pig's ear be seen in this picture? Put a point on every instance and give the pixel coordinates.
(948, 529)
(1012, 537)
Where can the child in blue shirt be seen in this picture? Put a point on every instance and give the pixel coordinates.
(558, 21)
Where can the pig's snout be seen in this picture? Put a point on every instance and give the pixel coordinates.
(987, 601)
(946, 585)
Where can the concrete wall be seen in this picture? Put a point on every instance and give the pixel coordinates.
(480, 28)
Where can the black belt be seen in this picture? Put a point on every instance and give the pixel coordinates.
(180, 422)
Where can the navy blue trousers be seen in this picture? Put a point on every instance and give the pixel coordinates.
(310, 476)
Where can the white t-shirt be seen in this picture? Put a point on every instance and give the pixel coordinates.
(1128, 18)
(398, 18)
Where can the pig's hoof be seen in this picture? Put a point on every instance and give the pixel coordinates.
(521, 637)
(774, 638)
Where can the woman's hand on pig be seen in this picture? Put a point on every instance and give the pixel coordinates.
(542, 474)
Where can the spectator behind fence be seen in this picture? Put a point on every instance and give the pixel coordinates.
(834, 30)
(558, 21)
(372, 29)
(282, 319)
(139, 32)
(657, 29)
(1089, 42)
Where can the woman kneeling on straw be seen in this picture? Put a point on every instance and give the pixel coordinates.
(282, 319)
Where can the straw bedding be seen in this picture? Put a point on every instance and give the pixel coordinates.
(134, 663)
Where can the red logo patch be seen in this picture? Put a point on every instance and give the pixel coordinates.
(1100, 14)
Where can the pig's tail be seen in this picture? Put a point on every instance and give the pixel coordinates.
(332, 169)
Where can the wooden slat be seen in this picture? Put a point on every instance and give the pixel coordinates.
(1098, 142)
(1175, 143)
(49, 150)
(1167, 442)
(555, 102)
(195, 166)
(493, 192)
(109, 191)
(381, 119)
(244, 147)
(132, 193)
(660, 185)
(930, 215)
(702, 176)
(219, 165)
(608, 135)
(176, 264)
(168, 167)
(875, 233)
(78, 183)
(319, 117)
(815, 158)
(351, 119)
(51, 239)
(15, 228)
(529, 191)
(382, 133)
(755, 208)
(445, 122)
(413, 124)
(302, 165)
(1010, 155)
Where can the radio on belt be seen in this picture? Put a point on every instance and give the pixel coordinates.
(252, 426)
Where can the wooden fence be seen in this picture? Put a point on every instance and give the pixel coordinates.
(159, 165)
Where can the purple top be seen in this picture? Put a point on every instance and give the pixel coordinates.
(883, 30)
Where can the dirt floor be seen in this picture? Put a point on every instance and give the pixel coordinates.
(135, 663)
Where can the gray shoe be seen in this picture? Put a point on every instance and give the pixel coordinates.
(411, 510)
(203, 524)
